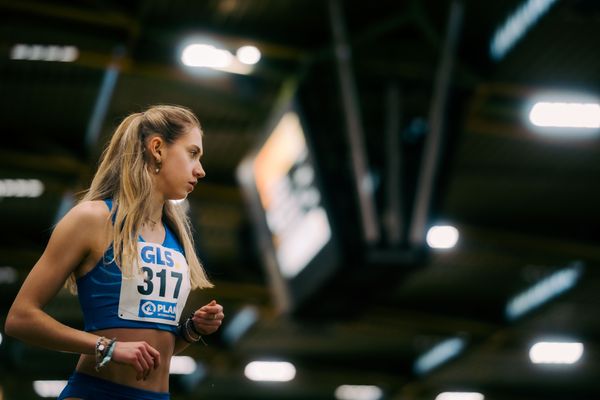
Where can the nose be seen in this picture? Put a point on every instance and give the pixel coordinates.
(199, 172)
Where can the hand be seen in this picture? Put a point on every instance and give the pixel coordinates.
(207, 319)
(140, 355)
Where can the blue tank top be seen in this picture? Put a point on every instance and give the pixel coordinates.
(152, 299)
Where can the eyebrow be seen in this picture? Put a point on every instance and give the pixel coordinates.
(197, 149)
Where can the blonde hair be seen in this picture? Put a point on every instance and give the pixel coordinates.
(123, 175)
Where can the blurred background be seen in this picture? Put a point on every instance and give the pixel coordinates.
(400, 200)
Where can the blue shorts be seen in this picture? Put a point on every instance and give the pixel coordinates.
(87, 387)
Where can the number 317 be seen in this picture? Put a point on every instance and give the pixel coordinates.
(148, 286)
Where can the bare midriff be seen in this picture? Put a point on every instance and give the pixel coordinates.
(156, 381)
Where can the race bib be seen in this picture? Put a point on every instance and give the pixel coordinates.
(159, 291)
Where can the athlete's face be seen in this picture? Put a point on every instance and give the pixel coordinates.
(181, 168)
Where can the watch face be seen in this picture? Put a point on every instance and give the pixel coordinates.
(101, 347)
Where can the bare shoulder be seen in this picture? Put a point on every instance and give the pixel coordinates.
(92, 209)
(89, 212)
(89, 218)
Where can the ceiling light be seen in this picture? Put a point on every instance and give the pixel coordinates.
(37, 52)
(21, 188)
(240, 323)
(272, 371)
(358, 392)
(442, 237)
(459, 396)
(544, 290)
(248, 55)
(556, 352)
(565, 115)
(49, 388)
(8, 275)
(182, 365)
(439, 354)
(205, 55)
(517, 25)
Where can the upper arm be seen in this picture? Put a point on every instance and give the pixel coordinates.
(72, 239)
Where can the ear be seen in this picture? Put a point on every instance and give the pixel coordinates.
(155, 146)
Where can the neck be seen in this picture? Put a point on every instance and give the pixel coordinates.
(156, 208)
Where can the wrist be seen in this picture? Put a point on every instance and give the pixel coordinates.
(188, 332)
(104, 351)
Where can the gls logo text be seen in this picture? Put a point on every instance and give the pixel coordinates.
(156, 255)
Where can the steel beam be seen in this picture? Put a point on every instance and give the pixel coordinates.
(354, 127)
(433, 143)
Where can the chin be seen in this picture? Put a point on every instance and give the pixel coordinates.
(178, 197)
(177, 200)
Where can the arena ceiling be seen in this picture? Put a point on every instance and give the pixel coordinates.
(525, 204)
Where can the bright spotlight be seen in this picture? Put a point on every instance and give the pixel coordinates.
(248, 55)
(358, 392)
(272, 371)
(459, 396)
(205, 55)
(556, 352)
(182, 365)
(565, 115)
(48, 388)
(442, 237)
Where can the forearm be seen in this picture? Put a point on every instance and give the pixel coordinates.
(38, 328)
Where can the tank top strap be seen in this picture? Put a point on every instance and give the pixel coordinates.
(171, 240)
(109, 204)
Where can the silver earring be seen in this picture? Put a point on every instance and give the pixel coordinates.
(158, 165)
